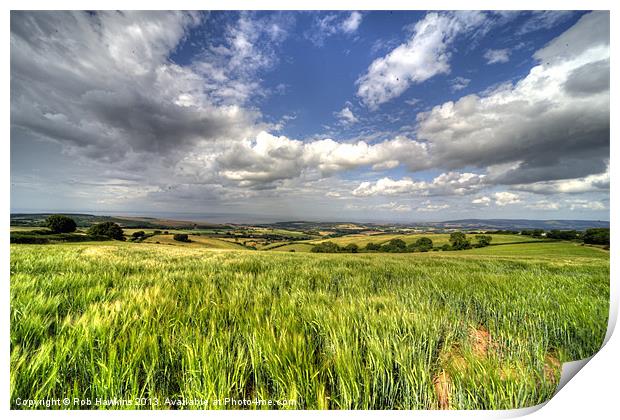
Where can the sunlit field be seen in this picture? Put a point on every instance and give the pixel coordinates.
(484, 328)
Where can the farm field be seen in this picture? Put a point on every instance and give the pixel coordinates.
(438, 239)
(484, 328)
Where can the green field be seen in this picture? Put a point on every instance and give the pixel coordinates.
(478, 329)
(438, 239)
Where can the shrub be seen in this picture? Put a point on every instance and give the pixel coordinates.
(59, 223)
(138, 234)
(181, 237)
(108, 229)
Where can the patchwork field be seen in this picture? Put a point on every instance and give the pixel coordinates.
(478, 329)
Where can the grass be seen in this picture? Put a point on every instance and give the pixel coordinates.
(478, 329)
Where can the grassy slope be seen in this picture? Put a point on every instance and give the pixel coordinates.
(362, 240)
(338, 331)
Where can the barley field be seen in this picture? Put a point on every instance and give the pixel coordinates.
(481, 329)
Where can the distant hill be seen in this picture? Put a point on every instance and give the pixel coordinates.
(84, 220)
(518, 224)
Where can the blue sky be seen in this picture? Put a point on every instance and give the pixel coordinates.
(387, 116)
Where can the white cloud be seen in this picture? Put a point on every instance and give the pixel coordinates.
(544, 205)
(497, 56)
(393, 206)
(433, 207)
(586, 205)
(327, 25)
(505, 198)
(459, 83)
(346, 116)
(485, 201)
(445, 184)
(352, 22)
(423, 56)
(269, 158)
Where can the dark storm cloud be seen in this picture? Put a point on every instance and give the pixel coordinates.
(102, 85)
(553, 124)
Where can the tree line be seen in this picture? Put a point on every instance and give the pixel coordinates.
(458, 241)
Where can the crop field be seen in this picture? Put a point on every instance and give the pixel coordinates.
(479, 329)
(438, 239)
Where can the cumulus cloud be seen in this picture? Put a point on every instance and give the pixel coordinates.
(505, 198)
(352, 22)
(538, 128)
(346, 116)
(497, 56)
(268, 158)
(424, 55)
(445, 184)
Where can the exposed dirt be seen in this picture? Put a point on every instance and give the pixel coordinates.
(443, 389)
(552, 369)
(481, 341)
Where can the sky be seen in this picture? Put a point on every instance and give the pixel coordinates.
(400, 116)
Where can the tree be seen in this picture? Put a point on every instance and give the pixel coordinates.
(59, 223)
(424, 244)
(535, 233)
(395, 245)
(565, 235)
(483, 240)
(353, 248)
(138, 235)
(109, 229)
(596, 236)
(458, 240)
(181, 237)
(325, 247)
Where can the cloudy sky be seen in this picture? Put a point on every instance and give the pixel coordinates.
(386, 116)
